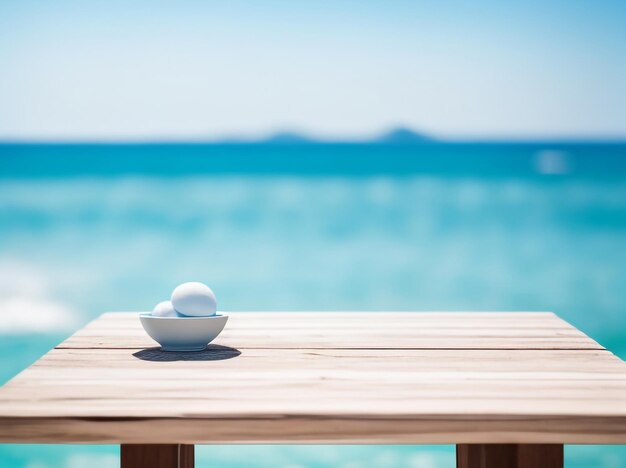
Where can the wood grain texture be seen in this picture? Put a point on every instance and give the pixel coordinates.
(360, 330)
(379, 378)
(509, 456)
(157, 456)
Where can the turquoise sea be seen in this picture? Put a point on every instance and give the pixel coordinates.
(466, 226)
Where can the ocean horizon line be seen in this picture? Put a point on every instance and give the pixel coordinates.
(399, 135)
(316, 142)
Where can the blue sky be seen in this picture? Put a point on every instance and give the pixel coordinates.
(195, 69)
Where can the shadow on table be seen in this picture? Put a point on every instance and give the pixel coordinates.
(211, 353)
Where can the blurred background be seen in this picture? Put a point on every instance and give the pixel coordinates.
(310, 156)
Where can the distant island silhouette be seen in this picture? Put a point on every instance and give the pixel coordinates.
(397, 135)
(404, 136)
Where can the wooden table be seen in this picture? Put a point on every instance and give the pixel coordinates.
(508, 388)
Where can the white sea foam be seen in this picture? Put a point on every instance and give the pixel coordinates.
(28, 314)
(25, 302)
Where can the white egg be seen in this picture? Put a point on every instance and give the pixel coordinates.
(194, 299)
(164, 309)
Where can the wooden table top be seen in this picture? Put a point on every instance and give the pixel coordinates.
(349, 377)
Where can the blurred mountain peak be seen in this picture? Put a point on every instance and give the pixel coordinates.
(403, 135)
(397, 135)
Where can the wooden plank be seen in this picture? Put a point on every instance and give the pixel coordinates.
(373, 341)
(358, 330)
(356, 320)
(277, 320)
(329, 377)
(157, 456)
(286, 429)
(509, 456)
(483, 373)
(321, 397)
(217, 357)
(560, 388)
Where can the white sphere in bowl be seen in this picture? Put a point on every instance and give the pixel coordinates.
(194, 300)
(164, 309)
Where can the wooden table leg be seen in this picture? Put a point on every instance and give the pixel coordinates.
(157, 456)
(509, 456)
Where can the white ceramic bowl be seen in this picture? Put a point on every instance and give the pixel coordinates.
(183, 333)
